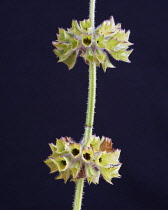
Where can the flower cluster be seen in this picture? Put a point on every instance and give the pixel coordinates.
(73, 160)
(93, 47)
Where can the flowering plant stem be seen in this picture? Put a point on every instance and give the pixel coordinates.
(91, 103)
(90, 110)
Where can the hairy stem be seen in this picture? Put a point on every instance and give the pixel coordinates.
(92, 83)
(91, 103)
(90, 110)
(78, 194)
(92, 14)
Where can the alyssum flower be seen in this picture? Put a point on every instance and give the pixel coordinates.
(108, 38)
(73, 160)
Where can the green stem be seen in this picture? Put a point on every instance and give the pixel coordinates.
(92, 83)
(92, 14)
(78, 194)
(91, 103)
(90, 110)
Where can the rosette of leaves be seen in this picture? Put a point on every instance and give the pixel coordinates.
(73, 160)
(107, 39)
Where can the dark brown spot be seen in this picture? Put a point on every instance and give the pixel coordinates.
(100, 160)
(64, 162)
(75, 152)
(86, 156)
(86, 41)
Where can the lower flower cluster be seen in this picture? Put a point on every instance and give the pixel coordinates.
(74, 160)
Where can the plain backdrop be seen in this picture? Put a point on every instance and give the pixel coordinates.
(41, 101)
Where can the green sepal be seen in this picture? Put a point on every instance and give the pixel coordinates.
(106, 175)
(86, 25)
(63, 35)
(75, 28)
(71, 60)
(60, 35)
(114, 171)
(109, 173)
(97, 62)
(100, 41)
(107, 64)
(87, 154)
(113, 157)
(121, 46)
(75, 149)
(108, 27)
(86, 40)
(62, 45)
(58, 53)
(75, 168)
(53, 167)
(94, 142)
(89, 55)
(94, 179)
(111, 44)
(62, 162)
(102, 159)
(74, 43)
(63, 50)
(100, 55)
(53, 147)
(92, 174)
(64, 175)
(90, 171)
(121, 55)
(61, 146)
(66, 47)
(108, 159)
(122, 36)
(65, 56)
(57, 45)
(55, 154)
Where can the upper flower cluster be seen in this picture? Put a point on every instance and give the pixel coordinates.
(73, 160)
(93, 47)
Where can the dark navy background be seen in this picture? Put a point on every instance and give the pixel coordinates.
(41, 100)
